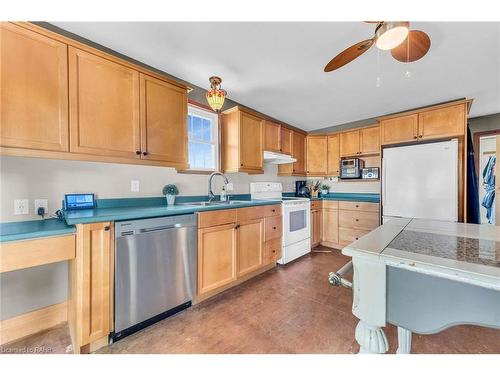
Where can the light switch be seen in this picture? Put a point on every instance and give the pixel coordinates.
(21, 207)
(134, 186)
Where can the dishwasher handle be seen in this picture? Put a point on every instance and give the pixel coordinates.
(155, 229)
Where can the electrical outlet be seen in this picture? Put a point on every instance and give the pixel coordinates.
(21, 207)
(42, 203)
(134, 186)
(229, 186)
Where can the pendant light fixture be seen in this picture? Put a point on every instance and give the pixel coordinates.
(391, 34)
(216, 95)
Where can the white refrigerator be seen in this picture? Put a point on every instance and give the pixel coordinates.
(421, 181)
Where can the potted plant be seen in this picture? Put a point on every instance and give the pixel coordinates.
(325, 189)
(170, 191)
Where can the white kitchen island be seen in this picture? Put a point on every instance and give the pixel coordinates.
(423, 276)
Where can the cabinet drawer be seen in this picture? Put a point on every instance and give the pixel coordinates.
(316, 205)
(358, 219)
(213, 218)
(257, 212)
(348, 235)
(359, 206)
(273, 210)
(334, 205)
(272, 228)
(272, 251)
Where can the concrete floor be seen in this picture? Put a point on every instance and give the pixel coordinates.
(291, 309)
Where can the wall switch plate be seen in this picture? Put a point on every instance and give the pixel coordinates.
(42, 203)
(134, 186)
(21, 207)
(229, 186)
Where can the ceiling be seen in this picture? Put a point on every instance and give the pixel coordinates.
(277, 67)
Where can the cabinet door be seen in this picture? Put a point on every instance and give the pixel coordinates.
(272, 137)
(399, 129)
(216, 257)
(316, 221)
(34, 90)
(163, 121)
(349, 143)
(250, 246)
(316, 155)
(333, 166)
(441, 123)
(272, 251)
(286, 141)
(251, 142)
(298, 152)
(104, 106)
(92, 289)
(330, 225)
(369, 140)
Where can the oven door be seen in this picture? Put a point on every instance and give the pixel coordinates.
(296, 222)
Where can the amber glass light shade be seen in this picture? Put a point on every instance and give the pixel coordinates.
(216, 95)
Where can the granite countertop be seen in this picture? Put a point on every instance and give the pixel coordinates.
(139, 208)
(21, 230)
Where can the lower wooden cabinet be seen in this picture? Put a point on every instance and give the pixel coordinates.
(330, 232)
(236, 244)
(217, 248)
(89, 311)
(316, 227)
(250, 246)
(357, 219)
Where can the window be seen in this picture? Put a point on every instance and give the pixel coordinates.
(202, 139)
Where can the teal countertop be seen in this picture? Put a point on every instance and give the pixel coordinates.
(22, 230)
(140, 208)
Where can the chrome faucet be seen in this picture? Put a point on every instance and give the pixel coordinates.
(211, 195)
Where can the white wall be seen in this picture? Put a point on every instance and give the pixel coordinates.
(32, 178)
(349, 186)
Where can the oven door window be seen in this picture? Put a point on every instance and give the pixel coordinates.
(298, 220)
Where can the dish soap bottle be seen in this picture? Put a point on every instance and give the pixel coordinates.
(223, 194)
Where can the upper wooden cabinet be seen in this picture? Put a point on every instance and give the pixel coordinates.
(333, 159)
(242, 142)
(33, 90)
(272, 141)
(360, 142)
(286, 140)
(399, 129)
(297, 168)
(442, 122)
(163, 121)
(104, 106)
(317, 150)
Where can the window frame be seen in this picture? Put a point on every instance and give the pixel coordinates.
(202, 112)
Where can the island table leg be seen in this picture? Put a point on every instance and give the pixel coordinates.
(371, 339)
(404, 341)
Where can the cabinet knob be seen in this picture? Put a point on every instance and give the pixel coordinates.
(144, 153)
(357, 219)
(106, 228)
(241, 165)
(237, 226)
(357, 205)
(274, 251)
(273, 210)
(415, 137)
(281, 149)
(420, 136)
(357, 238)
(138, 152)
(274, 227)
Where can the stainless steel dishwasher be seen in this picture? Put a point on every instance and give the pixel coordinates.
(155, 270)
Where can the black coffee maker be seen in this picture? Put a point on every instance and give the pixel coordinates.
(301, 189)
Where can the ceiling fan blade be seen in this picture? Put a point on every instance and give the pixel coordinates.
(349, 54)
(419, 44)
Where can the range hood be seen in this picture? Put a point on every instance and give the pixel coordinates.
(277, 158)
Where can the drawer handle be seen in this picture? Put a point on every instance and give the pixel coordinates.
(273, 210)
(357, 205)
(357, 219)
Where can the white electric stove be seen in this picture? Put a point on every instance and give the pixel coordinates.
(296, 213)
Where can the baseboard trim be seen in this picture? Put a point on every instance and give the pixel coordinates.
(33, 322)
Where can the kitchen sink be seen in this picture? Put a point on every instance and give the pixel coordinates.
(213, 203)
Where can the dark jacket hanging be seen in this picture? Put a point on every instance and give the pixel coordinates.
(473, 215)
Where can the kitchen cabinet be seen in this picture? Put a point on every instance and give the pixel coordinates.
(364, 141)
(242, 142)
(34, 93)
(357, 219)
(399, 129)
(104, 106)
(272, 138)
(217, 248)
(317, 151)
(236, 244)
(163, 121)
(297, 168)
(442, 122)
(286, 140)
(333, 155)
(330, 228)
(316, 223)
(250, 245)
(89, 312)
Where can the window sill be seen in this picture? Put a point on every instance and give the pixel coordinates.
(195, 171)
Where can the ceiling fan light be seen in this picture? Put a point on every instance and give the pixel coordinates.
(391, 34)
